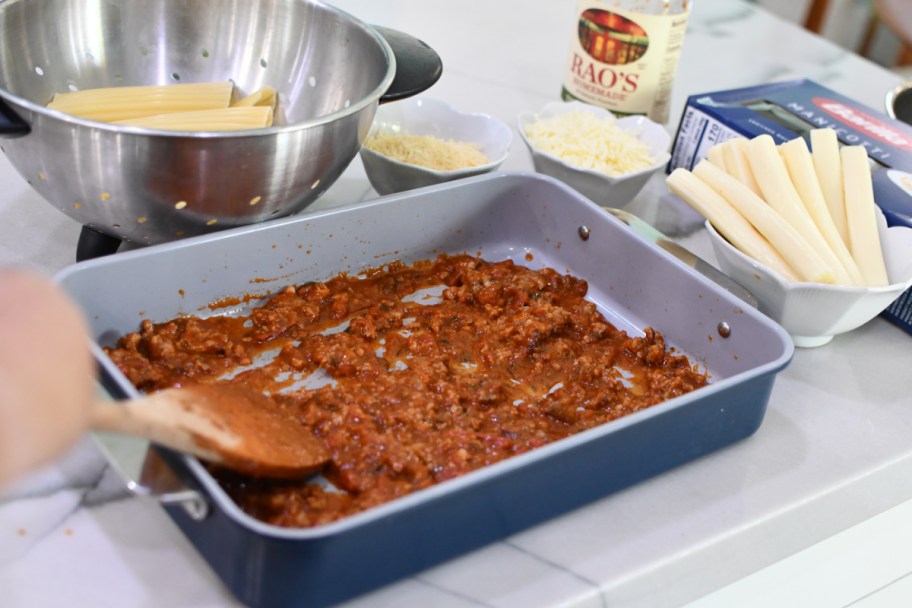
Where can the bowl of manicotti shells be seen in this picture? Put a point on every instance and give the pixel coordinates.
(798, 226)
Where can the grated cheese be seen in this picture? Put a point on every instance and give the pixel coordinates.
(426, 151)
(586, 141)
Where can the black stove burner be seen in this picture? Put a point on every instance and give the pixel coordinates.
(93, 244)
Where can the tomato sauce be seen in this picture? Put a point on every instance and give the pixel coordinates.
(408, 388)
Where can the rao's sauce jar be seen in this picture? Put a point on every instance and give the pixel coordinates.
(624, 55)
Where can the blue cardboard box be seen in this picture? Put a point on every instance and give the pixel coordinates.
(893, 194)
(786, 110)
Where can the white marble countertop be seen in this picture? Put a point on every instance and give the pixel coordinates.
(833, 450)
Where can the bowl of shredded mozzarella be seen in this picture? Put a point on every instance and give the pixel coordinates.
(605, 158)
(423, 141)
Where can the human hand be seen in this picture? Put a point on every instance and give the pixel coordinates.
(46, 372)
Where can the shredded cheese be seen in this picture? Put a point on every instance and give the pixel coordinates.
(426, 151)
(583, 140)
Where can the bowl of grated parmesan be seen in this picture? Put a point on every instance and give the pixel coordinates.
(422, 141)
(605, 158)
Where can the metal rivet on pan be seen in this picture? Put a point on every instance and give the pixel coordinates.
(583, 232)
(197, 509)
(724, 329)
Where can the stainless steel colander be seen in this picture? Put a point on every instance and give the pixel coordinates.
(148, 186)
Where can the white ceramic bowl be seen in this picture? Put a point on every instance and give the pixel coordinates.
(813, 313)
(427, 116)
(601, 188)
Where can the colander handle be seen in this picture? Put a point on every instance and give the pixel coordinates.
(11, 125)
(418, 66)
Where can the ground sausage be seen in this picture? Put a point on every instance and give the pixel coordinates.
(416, 391)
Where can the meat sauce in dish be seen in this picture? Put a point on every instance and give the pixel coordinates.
(409, 385)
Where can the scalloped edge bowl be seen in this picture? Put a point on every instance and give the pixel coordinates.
(601, 188)
(429, 116)
(813, 313)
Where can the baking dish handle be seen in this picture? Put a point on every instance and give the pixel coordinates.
(146, 473)
(652, 235)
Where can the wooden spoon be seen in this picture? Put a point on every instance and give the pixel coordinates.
(236, 427)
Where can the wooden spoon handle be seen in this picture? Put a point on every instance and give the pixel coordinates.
(115, 417)
(233, 426)
(130, 418)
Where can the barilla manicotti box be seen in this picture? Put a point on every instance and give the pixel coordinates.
(786, 110)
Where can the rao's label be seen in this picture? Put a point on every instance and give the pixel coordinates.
(624, 61)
